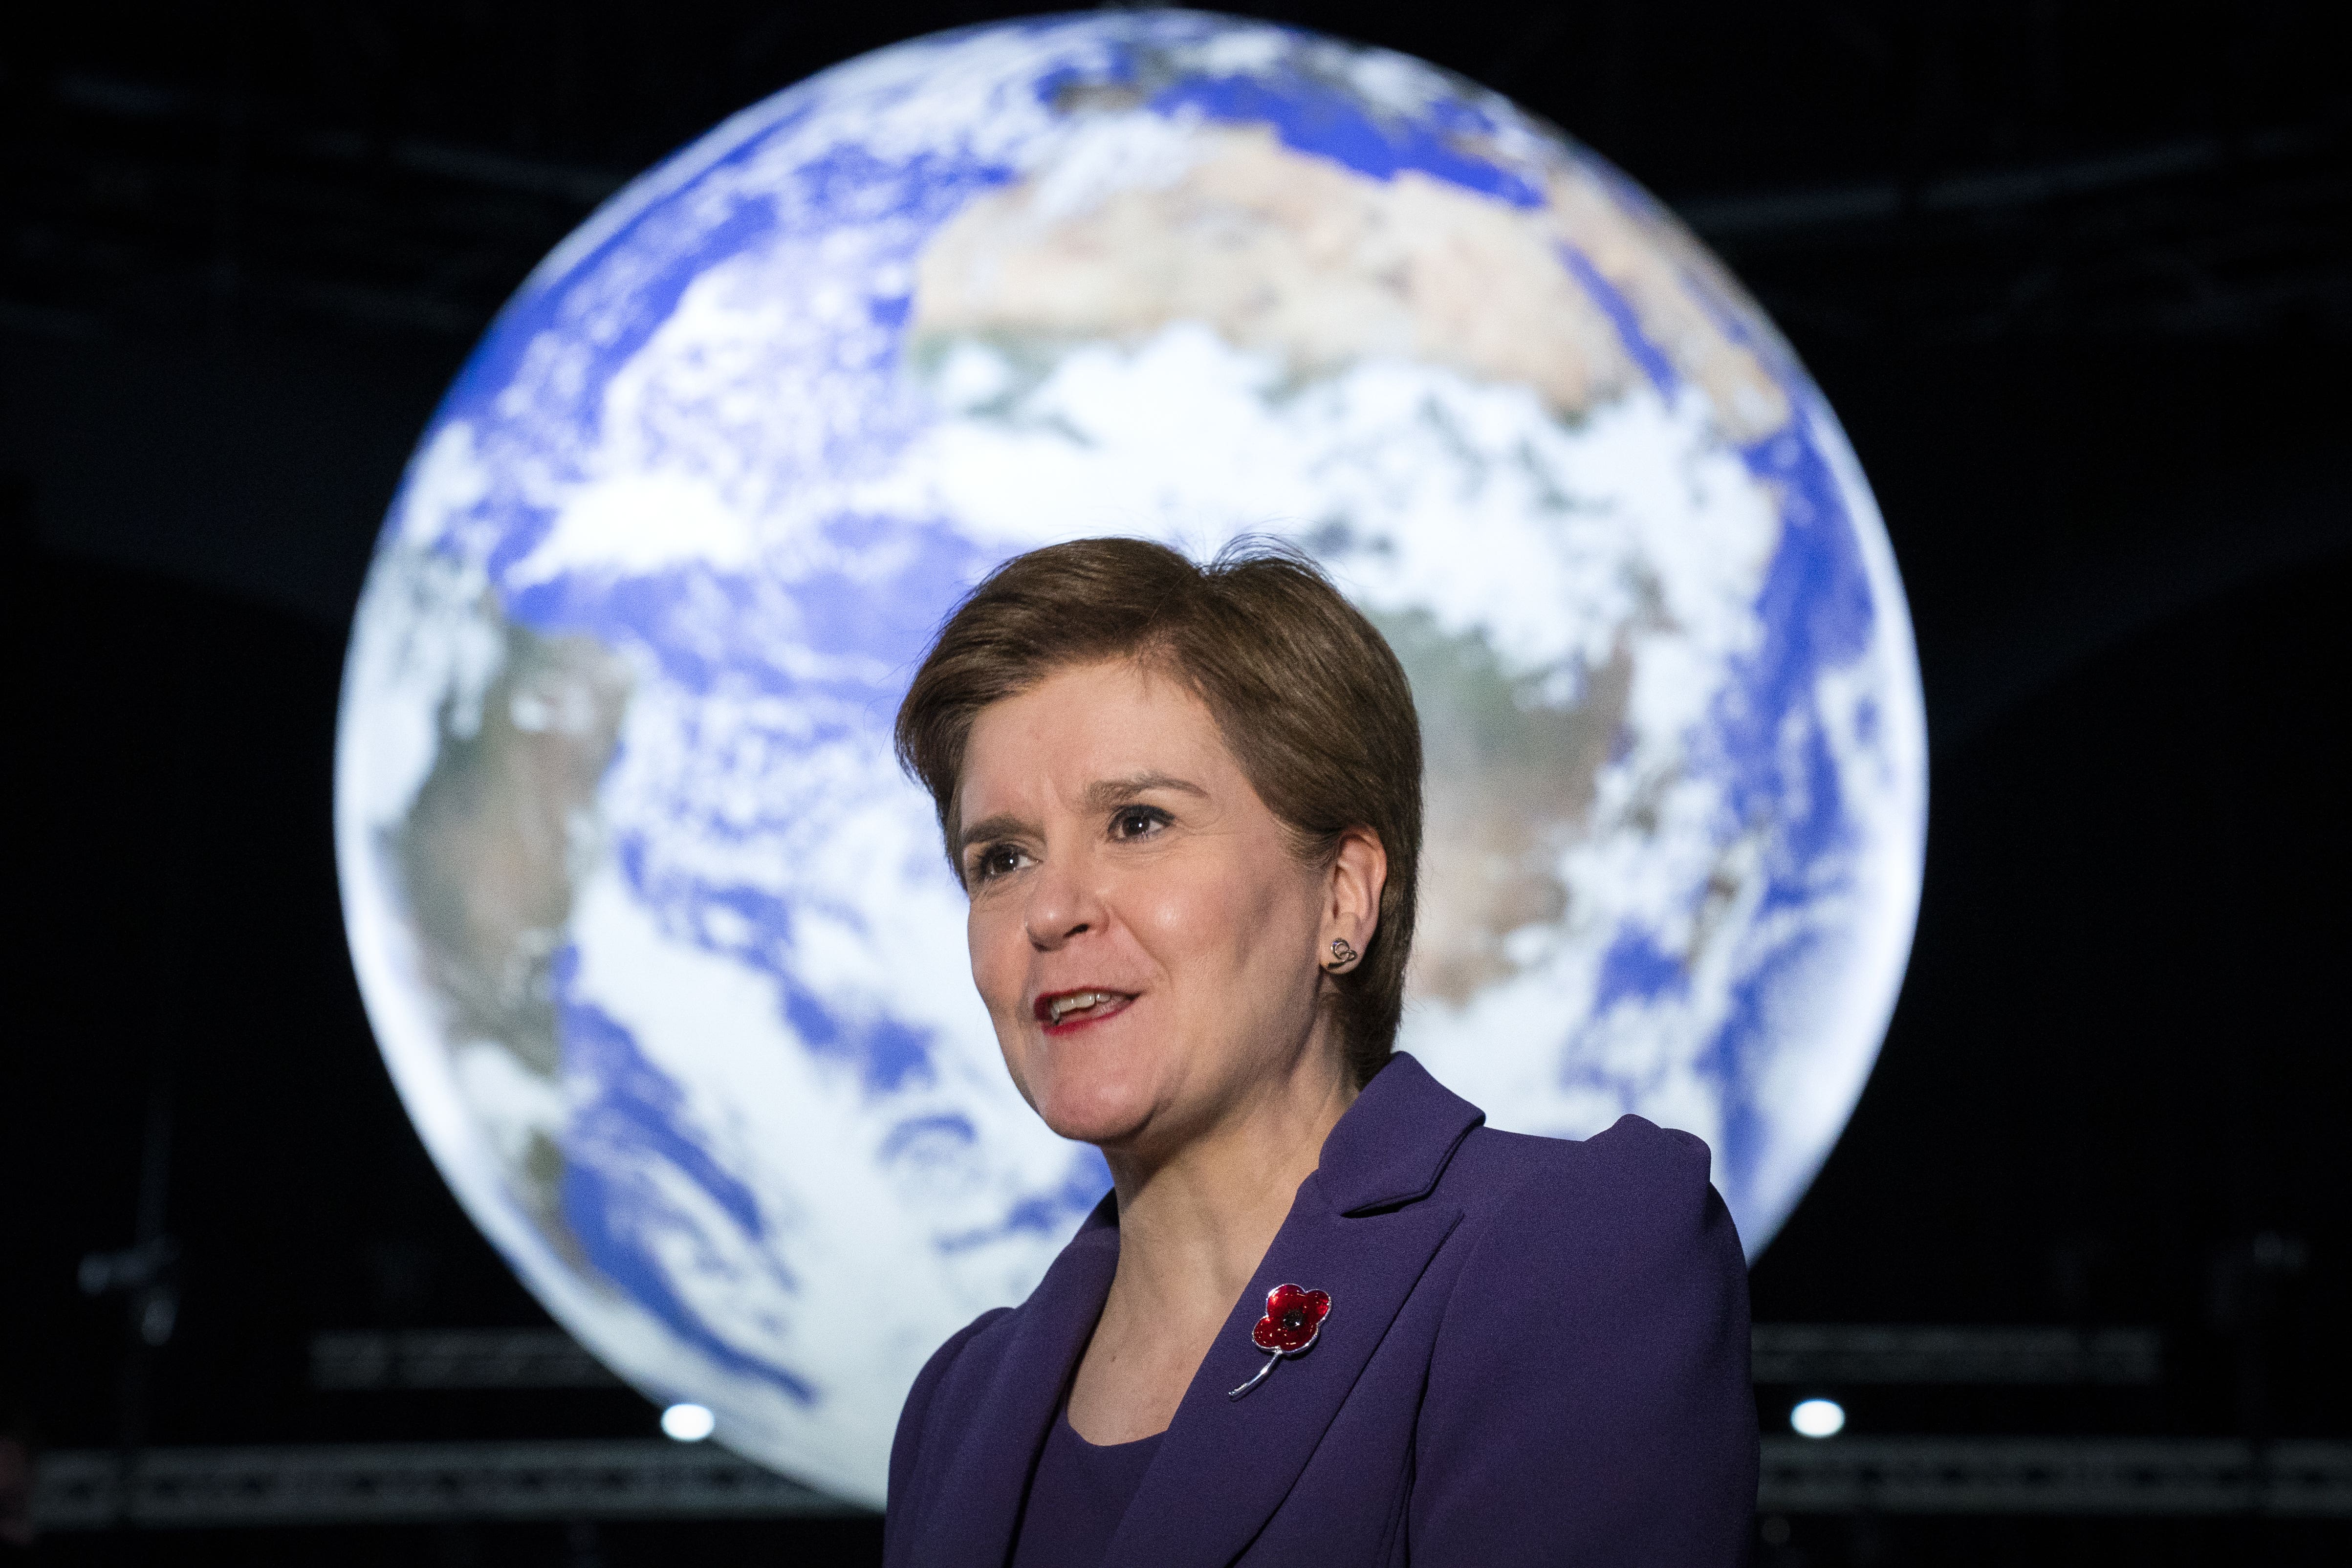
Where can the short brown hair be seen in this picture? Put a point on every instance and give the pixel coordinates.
(1306, 692)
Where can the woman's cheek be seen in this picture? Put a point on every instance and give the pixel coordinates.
(996, 970)
(1176, 909)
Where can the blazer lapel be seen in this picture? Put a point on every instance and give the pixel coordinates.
(976, 1490)
(1226, 1464)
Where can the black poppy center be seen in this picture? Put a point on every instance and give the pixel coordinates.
(1295, 1319)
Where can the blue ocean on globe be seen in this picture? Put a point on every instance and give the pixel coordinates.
(661, 949)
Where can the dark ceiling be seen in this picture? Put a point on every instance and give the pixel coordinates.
(2046, 166)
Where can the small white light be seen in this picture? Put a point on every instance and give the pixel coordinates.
(689, 1423)
(1812, 1418)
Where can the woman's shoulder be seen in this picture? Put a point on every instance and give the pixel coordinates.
(1000, 1349)
(1596, 1326)
(945, 1358)
(943, 1368)
(1590, 1205)
(970, 1355)
(1633, 1156)
(1602, 1275)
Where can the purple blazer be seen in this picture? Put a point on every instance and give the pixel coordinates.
(1537, 1352)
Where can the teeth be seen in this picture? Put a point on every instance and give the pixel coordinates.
(1077, 1000)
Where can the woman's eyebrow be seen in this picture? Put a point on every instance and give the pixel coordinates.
(1005, 825)
(1101, 795)
(1104, 794)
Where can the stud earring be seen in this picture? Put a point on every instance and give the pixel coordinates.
(1342, 954)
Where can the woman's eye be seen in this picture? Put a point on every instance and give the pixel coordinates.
(995, 861)
(1136, 821)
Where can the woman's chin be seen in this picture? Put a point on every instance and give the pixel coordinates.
(1102, 1113)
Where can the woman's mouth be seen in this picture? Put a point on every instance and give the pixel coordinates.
(1063, 1010)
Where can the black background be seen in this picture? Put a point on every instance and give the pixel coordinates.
(2102, 406)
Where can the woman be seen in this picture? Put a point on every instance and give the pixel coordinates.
(1325, 1317)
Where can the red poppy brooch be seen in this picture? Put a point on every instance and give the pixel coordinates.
(1294, 1315)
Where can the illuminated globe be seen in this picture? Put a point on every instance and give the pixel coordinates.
(662, 950)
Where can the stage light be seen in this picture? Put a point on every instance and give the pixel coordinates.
(689, 1423)
(1814, 1418)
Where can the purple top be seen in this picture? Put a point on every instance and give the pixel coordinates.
(1079, 1496)
(1537, 1353)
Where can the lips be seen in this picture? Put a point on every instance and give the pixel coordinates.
(1063, 1010)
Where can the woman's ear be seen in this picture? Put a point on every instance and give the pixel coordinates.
(1351, 909)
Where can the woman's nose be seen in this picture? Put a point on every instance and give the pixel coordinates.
(1062, 904)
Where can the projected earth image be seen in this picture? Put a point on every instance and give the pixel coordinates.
(662, 951)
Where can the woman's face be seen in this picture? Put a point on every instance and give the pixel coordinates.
(1142, 930)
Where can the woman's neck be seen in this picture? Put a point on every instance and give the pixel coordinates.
(1193, 1228)
(1212, 1206)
